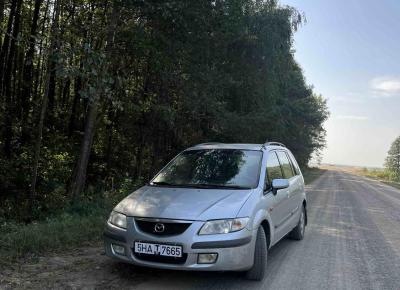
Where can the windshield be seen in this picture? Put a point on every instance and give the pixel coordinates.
(212, 168)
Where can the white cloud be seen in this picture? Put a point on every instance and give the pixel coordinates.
(386, 86)
(347, 99)
(352, 117)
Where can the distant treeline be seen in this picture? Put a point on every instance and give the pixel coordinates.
(97, 94)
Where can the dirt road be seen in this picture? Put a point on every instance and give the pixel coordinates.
(352, 242)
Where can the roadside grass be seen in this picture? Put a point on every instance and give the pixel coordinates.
(311, 173)
(78, 225)
(381, 175)
(58, 233)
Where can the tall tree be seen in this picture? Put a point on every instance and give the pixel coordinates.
(1, 19)
(38, 141)
(5, 48)
(96, 90)
(27, 79)
(7, 80)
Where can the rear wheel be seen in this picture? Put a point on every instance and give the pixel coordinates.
(298, 232)
(257, 272)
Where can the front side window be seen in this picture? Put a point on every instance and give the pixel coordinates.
(209, 168)
(286, 166)
(273, 168)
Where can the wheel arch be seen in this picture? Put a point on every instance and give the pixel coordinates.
(262, 218)
(267, 229)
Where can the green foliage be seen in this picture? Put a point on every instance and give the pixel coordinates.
(165, 75)
(393, 160)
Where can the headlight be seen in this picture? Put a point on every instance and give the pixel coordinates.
(223, 226)
(117, 219)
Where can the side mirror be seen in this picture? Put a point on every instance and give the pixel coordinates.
(279, 184)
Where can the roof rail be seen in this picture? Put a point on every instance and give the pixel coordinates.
(208, 143)
(274, 144)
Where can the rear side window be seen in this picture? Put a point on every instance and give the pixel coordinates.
(294, 164)
(286, 166)
(273, 168)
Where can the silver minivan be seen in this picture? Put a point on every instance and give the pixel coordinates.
(214, 207)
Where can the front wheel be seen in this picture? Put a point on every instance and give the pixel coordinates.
(298, 232)
(257, 272)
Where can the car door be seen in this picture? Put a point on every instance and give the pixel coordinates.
(278, 208)
(297, 190)
(291, 203)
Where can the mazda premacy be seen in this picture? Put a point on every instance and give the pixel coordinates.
(214, 207)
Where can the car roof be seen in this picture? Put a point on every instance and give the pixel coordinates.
(241, 146)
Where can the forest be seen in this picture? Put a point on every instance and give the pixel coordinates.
(95, 96)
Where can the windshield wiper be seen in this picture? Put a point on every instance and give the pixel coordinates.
(210, 185)
(164, 183)
(200, 185)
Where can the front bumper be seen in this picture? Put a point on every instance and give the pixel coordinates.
(235, 250)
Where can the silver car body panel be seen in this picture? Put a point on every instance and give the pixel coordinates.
(234, 258)
(281, 212)
(183, 203)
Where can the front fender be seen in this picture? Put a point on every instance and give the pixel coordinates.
(261, 216)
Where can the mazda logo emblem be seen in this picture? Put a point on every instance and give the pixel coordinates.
(159, 228)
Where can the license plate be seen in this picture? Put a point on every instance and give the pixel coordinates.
(158, 249)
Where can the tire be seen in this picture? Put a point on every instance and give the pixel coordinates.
(257, 271)
(298, 232)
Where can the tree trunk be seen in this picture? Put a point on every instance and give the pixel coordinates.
(38, 72)
(28, 68)
(39, 136)
(1, 19)
(5, 48)
(78, 183)
(7, 79)
(75, 103)
(52, 93)
(109, 139)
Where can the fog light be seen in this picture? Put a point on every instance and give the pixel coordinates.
(207, 258)
(120, 250)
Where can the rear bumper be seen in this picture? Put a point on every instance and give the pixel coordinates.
(235, 250)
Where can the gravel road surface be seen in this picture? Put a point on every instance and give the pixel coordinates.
(352, 242)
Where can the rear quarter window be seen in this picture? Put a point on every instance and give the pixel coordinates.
(285, 164)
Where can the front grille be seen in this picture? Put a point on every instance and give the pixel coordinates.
(161, 259)
(168, 228)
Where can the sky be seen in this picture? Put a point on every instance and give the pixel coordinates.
(350, 53)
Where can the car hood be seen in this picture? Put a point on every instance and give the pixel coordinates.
(183, 203)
